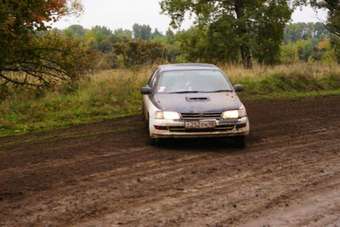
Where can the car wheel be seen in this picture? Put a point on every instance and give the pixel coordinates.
(147, 124)
(240, 141)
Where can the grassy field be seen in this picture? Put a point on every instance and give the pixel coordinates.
(115, 93)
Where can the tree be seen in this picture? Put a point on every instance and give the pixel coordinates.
(21, 25)
(156, 34)
(100, 38)
(139, 52)
(333, 8)
(223, 45)
(170, 34)
(247, 18)
(143, 32)
(297, 31)
(333, 24)
(122, 34)
(269, 31)
(333, 21)
(76, 31)
(193, 44)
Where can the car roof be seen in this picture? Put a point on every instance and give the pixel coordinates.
(187, 66)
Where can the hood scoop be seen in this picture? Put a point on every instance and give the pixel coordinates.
(197, 99)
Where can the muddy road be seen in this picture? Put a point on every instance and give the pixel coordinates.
(105, 174)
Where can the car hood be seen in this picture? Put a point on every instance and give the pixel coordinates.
(198, 102)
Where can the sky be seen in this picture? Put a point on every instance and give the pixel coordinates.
(124, 13)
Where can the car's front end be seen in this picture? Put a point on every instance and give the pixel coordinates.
(168, 124)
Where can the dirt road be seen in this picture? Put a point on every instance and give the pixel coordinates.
(105, 174)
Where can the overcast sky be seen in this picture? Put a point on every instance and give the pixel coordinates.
(124, 13)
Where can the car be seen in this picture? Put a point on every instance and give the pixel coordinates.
(193, 101)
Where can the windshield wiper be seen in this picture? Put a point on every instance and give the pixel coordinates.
(218, 91)
(187, 92)
(184, 92)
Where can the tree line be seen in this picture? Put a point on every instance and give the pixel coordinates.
(143, 45)
(232, 31)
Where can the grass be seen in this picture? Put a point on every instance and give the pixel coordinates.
(115, 93)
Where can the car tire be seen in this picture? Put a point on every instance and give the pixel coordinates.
(147, 125)
(240, 141)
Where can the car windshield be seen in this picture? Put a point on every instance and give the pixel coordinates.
(192, 81)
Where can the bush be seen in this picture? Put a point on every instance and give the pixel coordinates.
(139, 52)
(49, 59)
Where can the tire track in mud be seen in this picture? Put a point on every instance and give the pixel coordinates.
(205, 193)
(114, 178)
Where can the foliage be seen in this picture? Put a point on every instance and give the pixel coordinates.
(75, 31)
(21, 22)
(143, 32)
(139, 52)
(100, 38)
(253, 26)
(333, 22)
(122, 34)
(305, 31)
(308, 50)
(203, 43)
(271, 21)
(333, 7)
(119, 49)
(193, 44)
(51, 59)
(336, 46)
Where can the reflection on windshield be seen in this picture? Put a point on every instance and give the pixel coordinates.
(193, 81)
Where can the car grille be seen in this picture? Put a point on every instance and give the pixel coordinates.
(221, 128)
(200, 116)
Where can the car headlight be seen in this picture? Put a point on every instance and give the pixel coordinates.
(235, 114)
(168, 115)
(231, 114)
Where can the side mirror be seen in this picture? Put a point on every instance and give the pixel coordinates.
(238, 87)
(146, 90)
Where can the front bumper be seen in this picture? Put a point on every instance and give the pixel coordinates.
(176, 129)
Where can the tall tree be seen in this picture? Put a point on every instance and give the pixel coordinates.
(247, 18)
(143, 31)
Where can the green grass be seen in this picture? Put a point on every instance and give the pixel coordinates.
(290, 95)
(113, 94)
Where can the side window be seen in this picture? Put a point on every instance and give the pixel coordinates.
(153, 78)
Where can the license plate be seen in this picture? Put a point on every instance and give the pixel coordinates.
(200, 124)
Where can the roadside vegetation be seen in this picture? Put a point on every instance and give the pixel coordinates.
(115, 93)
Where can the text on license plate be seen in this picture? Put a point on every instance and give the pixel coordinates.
(200, 124)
